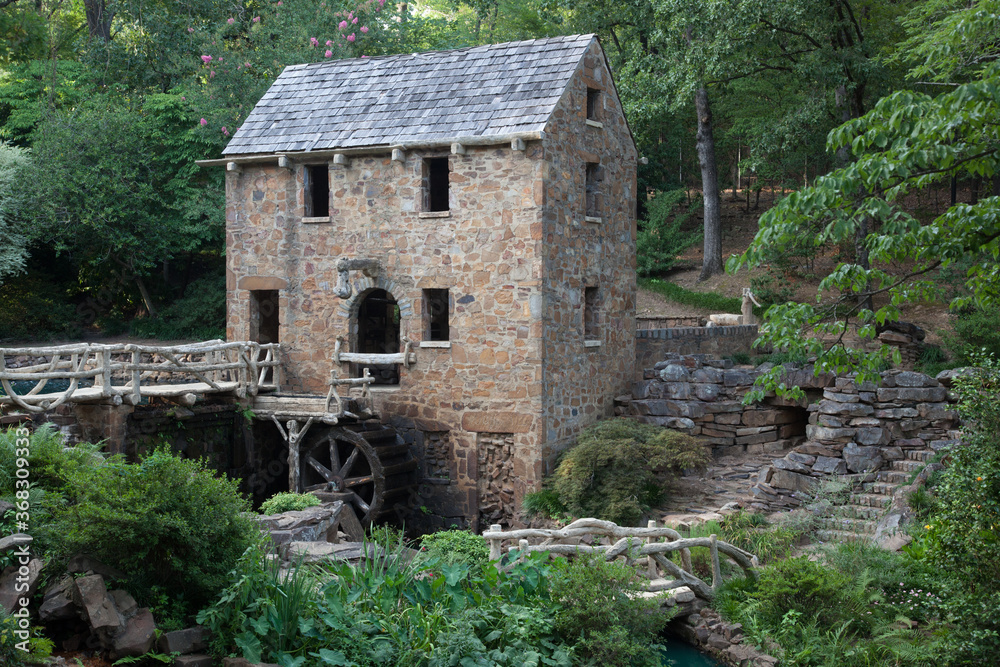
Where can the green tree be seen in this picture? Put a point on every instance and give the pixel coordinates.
(910, 140)
(13, 242)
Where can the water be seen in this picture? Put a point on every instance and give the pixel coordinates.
(681, 654)
(21, 387)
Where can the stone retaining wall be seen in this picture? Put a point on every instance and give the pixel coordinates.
(653, 345)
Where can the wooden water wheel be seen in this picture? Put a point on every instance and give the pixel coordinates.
(368, 461)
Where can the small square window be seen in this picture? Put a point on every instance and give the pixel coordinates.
(591, 313)
(593, 104)
(317, 191)
(436, 314)
(435, 184)
(595, 178)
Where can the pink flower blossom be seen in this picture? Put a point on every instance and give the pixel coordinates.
(183, 99)
(350, 38)
(220, 59)
(314, 41)
(342, 25)
(280, 3)
(246, 64)
(190, 29)
(256, 19)
(203, 122)
(206, 59)
(350, 15)
(230, 20)
(329, 42)
(354, 20)
(364, 56)
(211, 74)
(225, 131)
(364, 28)
(328, 53)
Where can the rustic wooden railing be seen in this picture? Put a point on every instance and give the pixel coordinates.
(128, 372)
(631, 544)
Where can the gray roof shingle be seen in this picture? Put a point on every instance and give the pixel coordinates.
(479, 91)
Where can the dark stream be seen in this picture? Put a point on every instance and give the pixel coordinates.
(685, 655)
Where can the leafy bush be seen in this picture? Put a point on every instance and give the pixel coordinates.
(288, 502)
(390, 609)
(544, 503)
(599, 614)
(165, 521)
(199, 314)
(619, 468)
(976, 332)
(456, 546)
(660, 238)
(809, 588)
(31, 309)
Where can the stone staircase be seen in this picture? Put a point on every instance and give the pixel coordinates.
(857, 518)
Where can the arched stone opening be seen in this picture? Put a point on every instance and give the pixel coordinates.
(376, 330)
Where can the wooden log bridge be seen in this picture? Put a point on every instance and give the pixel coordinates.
(127, 373)
(652, 544)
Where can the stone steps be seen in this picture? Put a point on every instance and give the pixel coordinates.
(895, 478)
(881, 488)
(845, 524)
(839, 536)
(876, 500)
(854, 510)
(924, 455)
(907, 466)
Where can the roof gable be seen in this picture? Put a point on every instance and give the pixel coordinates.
(488, 90)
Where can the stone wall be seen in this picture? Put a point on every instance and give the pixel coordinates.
(653, 345)
(496, 488)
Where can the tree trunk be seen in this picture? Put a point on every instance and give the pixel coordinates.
(150, 308)
(840, 97)
(98, 19)
(712, 263)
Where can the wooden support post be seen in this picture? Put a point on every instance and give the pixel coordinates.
(716, 567)
(650, 561)
(293, 456)
(496, 544)
(136, 394)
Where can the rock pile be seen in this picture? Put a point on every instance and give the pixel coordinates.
(908, 338)
(724, 641)
(862, 430)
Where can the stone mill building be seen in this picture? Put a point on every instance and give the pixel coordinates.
(470, 211)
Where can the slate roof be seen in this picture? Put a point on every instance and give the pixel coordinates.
(480, 91)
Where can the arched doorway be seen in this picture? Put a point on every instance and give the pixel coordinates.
(378, 333)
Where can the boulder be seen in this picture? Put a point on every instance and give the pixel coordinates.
(798, 457)
(871, 436)
(913, 379)
(81, 564)
(707, 375)
(785, 464)
(12, 541)
(13, 580)
(829, 465)
(829, 435)
(862, 459)
(137, 636)
(792, 481)
(308, 525)
(674, 373)
(197, 660)
(190, 640)
(57, 605)
(124, 603)
(706, 392)
(91, 595)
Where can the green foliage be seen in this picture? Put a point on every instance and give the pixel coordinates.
(391, 609)
(976, 331)
(11, 645)
(13, 242)
(288, 502)
(677, 294)
(32, 308)
(660, 237)
(165, 521)
(598, 612)
(544, 503)
(619, 468)
(456, 546)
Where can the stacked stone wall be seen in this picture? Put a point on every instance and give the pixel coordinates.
(496, 490)
(653, 345)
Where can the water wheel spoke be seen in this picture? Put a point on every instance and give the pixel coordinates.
(362, 505)
(349, 463)
(320, 468)
(358, 481)
(334, 454)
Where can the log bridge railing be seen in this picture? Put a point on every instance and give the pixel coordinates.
(127, 373)
(652, 544)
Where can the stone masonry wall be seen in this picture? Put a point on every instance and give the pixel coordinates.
(581, 378)
(496, 491)
(652, 345)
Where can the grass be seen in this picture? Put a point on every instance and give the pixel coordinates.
(686, 297)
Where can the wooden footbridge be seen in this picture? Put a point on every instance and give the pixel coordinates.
(349, 453)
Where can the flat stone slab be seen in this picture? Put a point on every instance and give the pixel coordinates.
(311, 552)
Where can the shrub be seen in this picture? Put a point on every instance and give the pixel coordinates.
(807, 587)
(678, 294)
(36, 309)
(975, 332)
(544, 503)
(288, 502)
(600, 614)
(456, 546)
(660, 238)
(165, 521)
(619, 468)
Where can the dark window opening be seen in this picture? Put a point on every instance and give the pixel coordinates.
(317, 191)
(264, 322)
(436, 311)
(593, 104)
(591, 313)
(436, 184)
(594, 179)
(378, 333)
